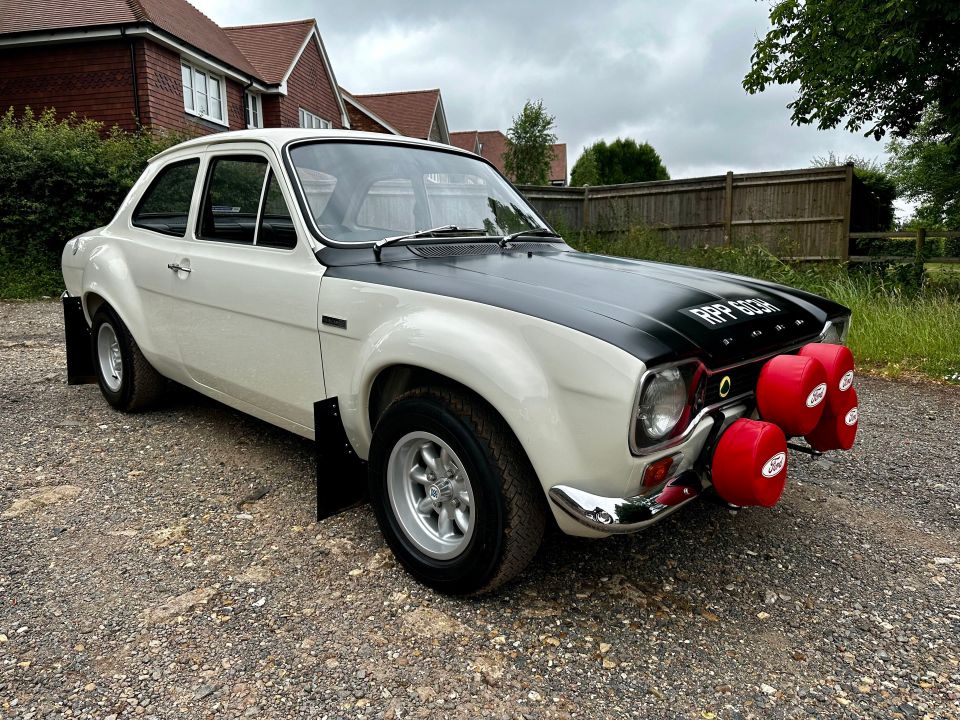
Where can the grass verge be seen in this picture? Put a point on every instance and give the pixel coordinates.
(897, 328)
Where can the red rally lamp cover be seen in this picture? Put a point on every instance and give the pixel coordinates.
(837, 360)
(791, 391)
(750, 463)
(837, 429)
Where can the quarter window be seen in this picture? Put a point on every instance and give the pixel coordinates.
(313, 122)
(203, 93)
(276, 225)
(165, 205)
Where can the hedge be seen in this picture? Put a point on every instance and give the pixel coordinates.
(59, 178)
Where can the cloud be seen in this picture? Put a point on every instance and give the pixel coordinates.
(666, 73)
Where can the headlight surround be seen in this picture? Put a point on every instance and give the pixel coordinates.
(663, 400)
(836, 330)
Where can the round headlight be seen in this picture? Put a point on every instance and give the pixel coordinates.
(662, 403)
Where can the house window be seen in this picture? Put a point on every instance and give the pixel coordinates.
(253, 108)
(314, 122)
(203, 93)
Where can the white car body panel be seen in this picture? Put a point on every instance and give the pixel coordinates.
(244, 327)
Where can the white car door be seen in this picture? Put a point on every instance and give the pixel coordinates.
(247, 292)
(155, 235)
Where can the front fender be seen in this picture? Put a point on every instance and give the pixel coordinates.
(566, 396)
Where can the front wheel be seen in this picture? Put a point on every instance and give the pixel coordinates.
(454, 494)
(127, 381)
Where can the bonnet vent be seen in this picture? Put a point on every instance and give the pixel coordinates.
(490, 248)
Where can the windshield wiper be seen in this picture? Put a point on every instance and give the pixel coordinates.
(535, 232)
(379, 245)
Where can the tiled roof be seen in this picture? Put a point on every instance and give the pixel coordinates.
(409, 112)
(271, 48)
(176, 17)
(38, 15)
(493, 147)
(558, 166)
(465, 140)
(360, 111)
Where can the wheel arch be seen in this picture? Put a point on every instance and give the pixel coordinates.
(108, 281)
(395, 380)
(92, 302)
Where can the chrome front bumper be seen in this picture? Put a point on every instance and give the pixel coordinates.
(619, 515)
(616, 515)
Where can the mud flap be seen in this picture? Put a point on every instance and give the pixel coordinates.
(341, 475)
(77, 336)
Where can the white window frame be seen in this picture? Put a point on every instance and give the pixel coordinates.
(253, 109)
(202, 83)
(313, 122)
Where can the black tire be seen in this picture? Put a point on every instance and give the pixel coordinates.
(510, 509)
(140, 386)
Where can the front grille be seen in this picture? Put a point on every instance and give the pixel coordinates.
(489, 248)
(743, 379)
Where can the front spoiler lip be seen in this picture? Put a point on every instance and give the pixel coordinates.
(612, 515)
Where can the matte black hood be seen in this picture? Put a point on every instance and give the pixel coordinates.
(655, 311)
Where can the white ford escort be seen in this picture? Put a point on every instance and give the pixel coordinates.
(454, 360)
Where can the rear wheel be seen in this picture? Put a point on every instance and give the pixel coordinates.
(128, 382)
(454, 493)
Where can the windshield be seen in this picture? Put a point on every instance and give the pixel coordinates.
(362, 192)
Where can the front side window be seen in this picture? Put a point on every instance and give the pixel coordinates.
(363, 192)
(165, 205)
(313, 122)
(243, 203)
(203, 93)
(231, 199)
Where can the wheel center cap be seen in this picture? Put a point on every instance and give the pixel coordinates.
(441, 490)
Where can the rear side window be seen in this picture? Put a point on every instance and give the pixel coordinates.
(231, 199)
(165, 205)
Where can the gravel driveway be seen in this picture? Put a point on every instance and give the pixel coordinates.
(169, 565)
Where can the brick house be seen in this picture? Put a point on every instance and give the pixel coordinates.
(414, 113)
(492, 145)
(164, 64)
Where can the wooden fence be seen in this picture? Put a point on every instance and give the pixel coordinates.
(921, 238)
(804, 214)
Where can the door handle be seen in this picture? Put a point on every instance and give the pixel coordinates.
(177, 267)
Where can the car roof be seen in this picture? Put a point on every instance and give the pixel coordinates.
(278, 137)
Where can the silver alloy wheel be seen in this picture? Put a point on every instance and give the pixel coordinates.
(108, 353)
(431, 495)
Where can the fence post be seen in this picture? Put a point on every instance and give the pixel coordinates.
(728, 209)
(847, 212)
(918, 255)
(586, 210)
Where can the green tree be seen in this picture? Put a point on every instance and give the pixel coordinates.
(622, 161)
(924, 166)
(530, 145)
(865, 64)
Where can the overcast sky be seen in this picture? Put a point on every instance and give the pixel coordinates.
(666, 73)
